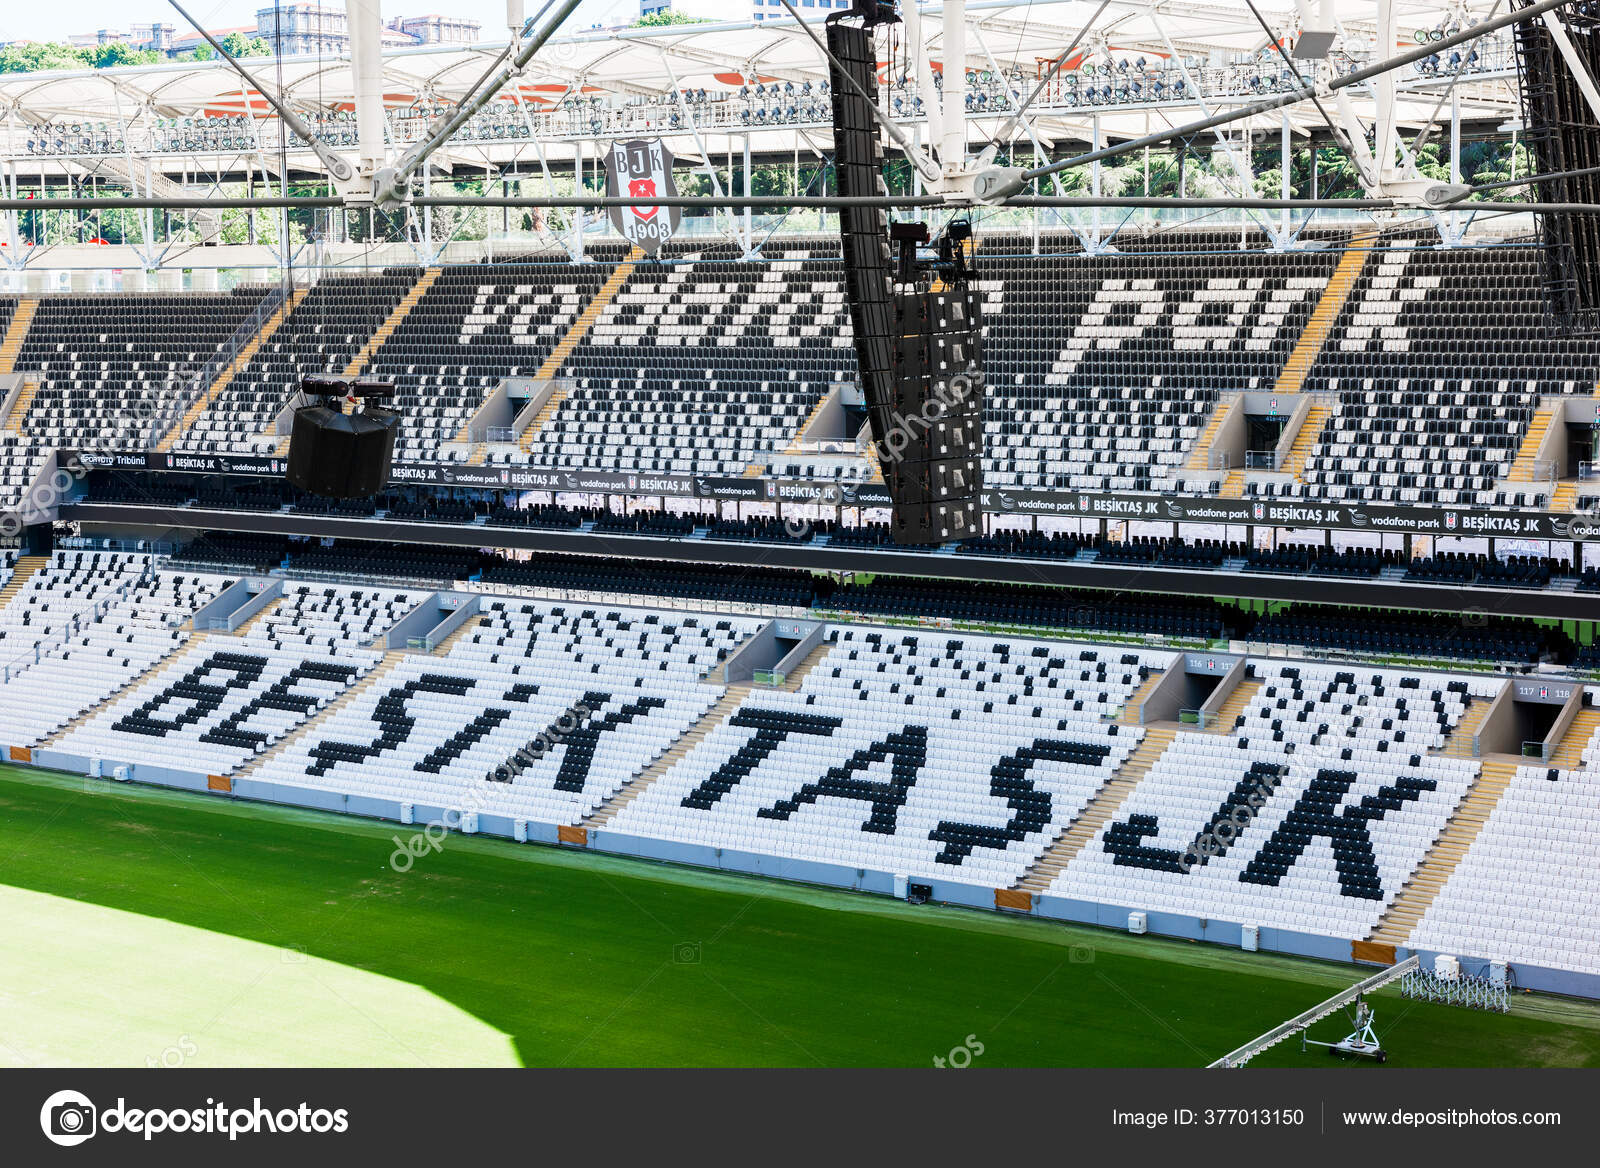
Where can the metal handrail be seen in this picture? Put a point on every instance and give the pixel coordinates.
(206, 375)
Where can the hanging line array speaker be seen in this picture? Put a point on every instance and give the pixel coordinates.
(917, 338)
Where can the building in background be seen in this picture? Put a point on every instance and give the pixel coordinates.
(139, 37)
(324, 29)
(728, 10)
(438, 30)
(307, 29)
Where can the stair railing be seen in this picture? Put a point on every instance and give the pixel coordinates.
(197, 381)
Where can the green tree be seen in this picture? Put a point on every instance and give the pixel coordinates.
(35, 58)
(669, 17)
(239, 45)
(109, 56)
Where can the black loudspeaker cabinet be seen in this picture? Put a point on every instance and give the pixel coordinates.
(342, 456)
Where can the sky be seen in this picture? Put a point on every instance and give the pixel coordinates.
(56, 22)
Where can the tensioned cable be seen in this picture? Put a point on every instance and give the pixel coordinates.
(1298, 95)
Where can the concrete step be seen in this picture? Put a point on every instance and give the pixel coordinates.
(1452, 846)
(1099, 810)
(648, 774)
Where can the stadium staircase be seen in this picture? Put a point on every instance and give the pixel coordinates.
(1565, 497)
(1200, 456)
(869, 455)
(1459, 743)
(1105, 804)
(17, 333)
(1235, 705)
(390, 659)
(25, 567)
(1130, 709)
(730, 701)
(795, 676)
(19, 409)
(385, 330)
(461, 630)
(546, 412)
(160, 667)
(225, 378)
(1233, 485)
(258, 618)
(1326, 314)
(1448, 850)
(1306, 440)
(1524, 468)
(569, 343)
(1568, 756)
(794, 440)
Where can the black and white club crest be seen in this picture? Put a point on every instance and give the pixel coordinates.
(640, 170)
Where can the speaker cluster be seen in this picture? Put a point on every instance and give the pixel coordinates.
(338, 453)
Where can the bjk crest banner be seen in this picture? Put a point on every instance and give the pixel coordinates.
(642, 170)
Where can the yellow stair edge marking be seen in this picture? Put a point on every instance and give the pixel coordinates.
(1200, 456)
(719, 713)
(1130, 709)
(240, 362)
(1098, 811)
(1459, 742)
(22, 571)
(1568, 755)
(1306, 440)
(20, 408)
(391, 658)
(17, 333)
(1323, 317)
(402, 310)
(1521, 469)
(794, 443)
(1452, 846)
(580, 329)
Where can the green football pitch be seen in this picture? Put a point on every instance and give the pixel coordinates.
(153, 927)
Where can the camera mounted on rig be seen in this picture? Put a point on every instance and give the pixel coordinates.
(340, 453)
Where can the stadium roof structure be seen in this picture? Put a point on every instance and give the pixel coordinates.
(636, 74)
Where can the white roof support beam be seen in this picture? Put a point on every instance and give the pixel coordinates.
(366, 65)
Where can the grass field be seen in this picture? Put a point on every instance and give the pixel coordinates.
(143, 923)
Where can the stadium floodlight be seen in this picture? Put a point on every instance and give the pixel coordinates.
(996, 184)
(1314, 44)
(391, 185)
